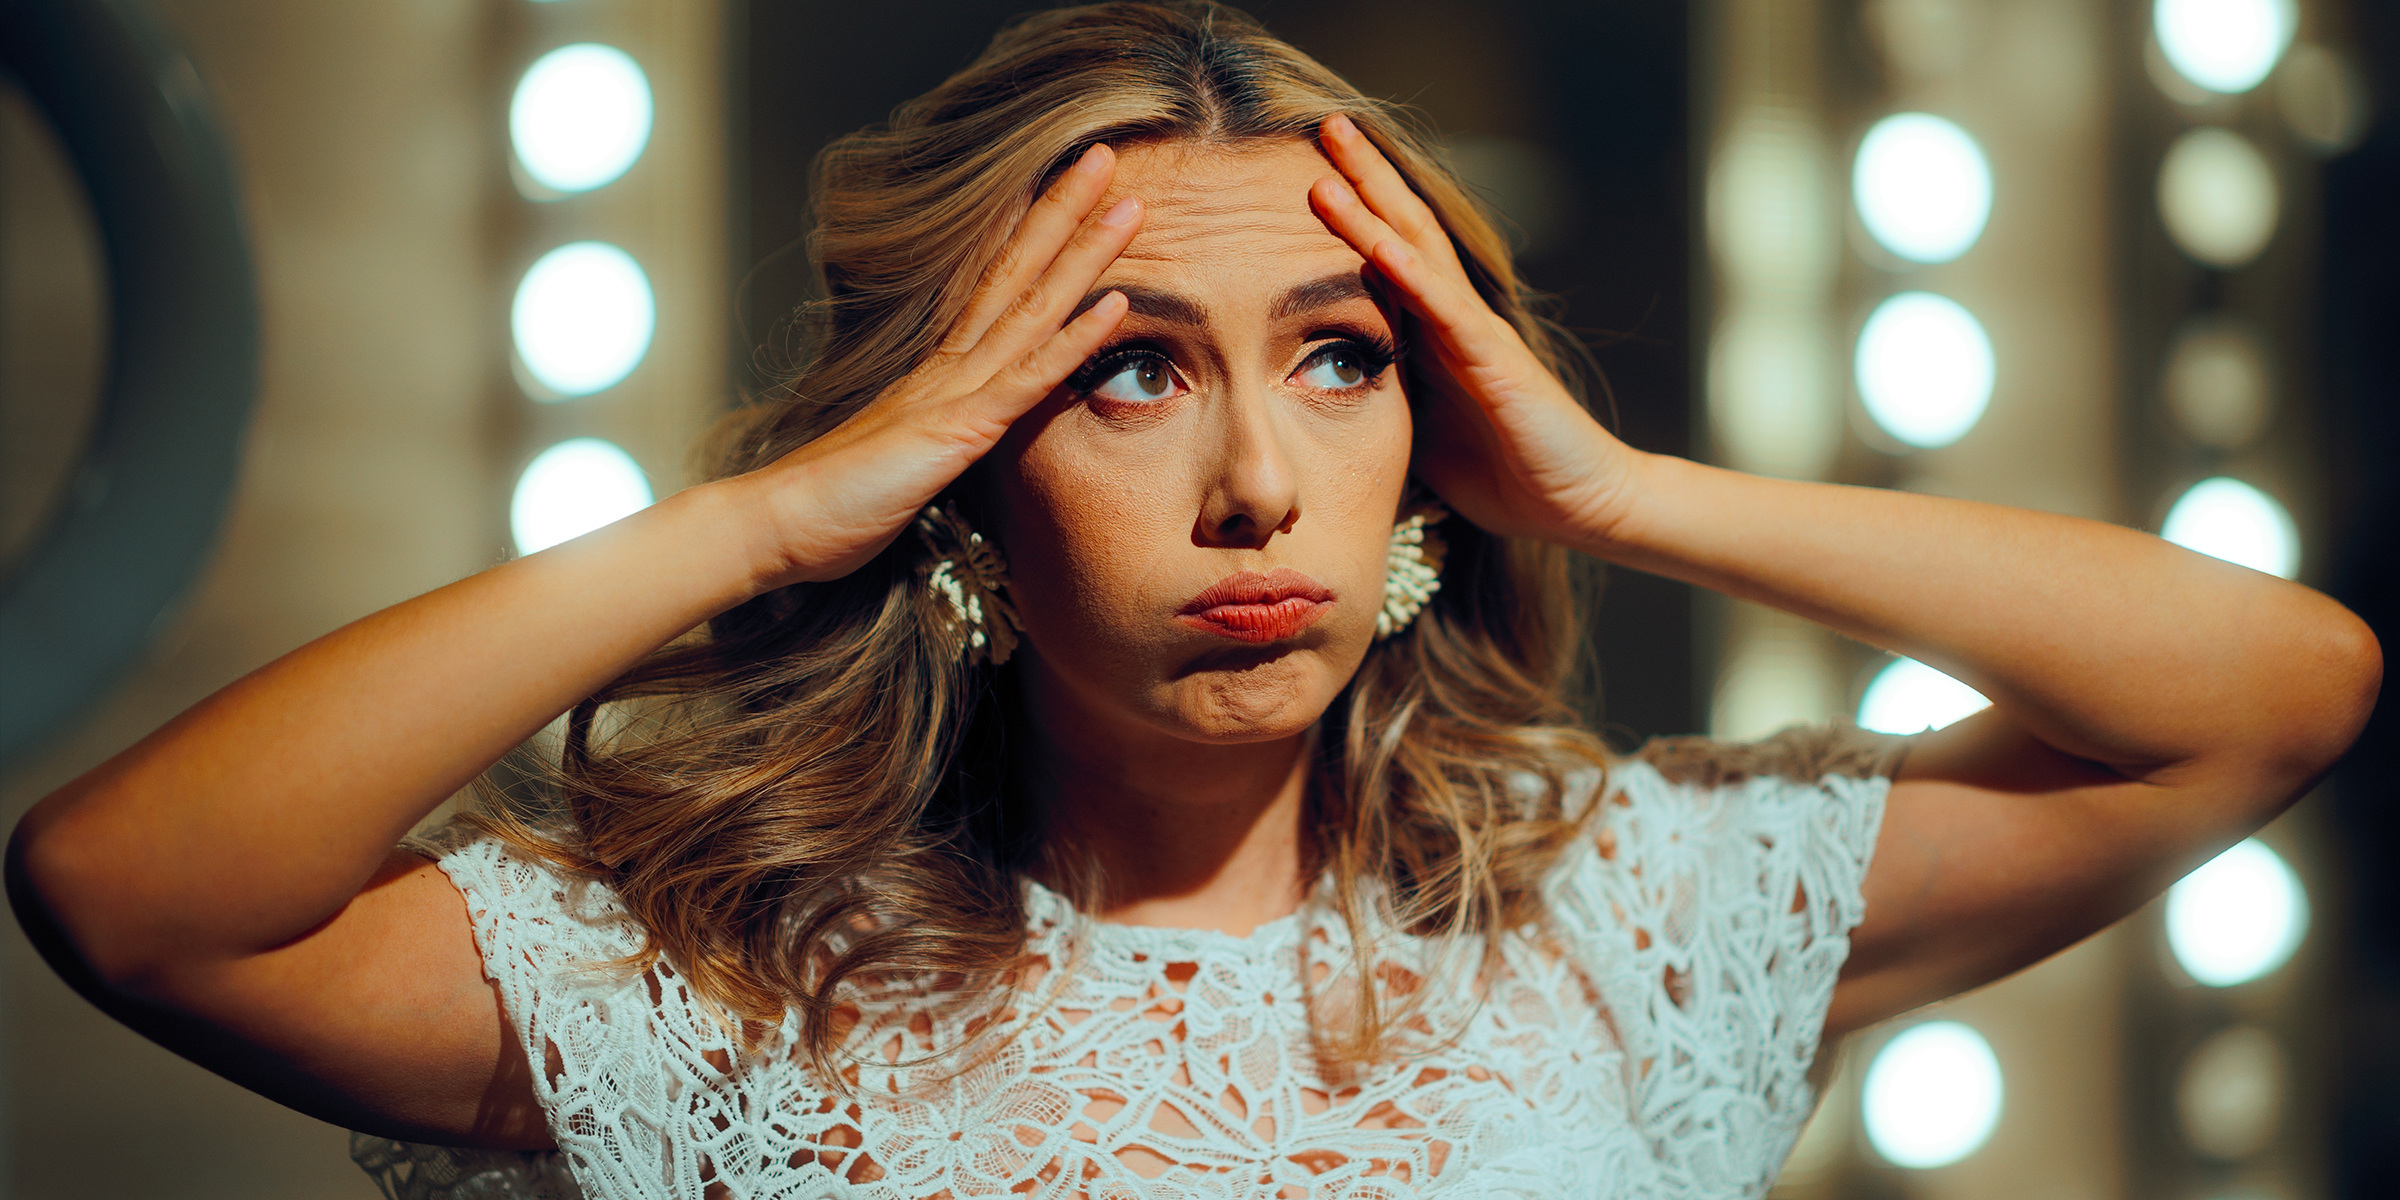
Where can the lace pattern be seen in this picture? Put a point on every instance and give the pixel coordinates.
(1654, 1040)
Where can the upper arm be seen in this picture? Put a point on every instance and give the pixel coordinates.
(1998, 850)
(380, 1019)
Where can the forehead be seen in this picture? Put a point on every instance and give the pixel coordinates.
(1226, 220)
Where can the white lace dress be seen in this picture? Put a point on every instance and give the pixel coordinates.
(1654, 1041)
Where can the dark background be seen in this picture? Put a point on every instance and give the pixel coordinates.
(2362, 387)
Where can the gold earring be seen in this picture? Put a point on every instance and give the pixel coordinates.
(1412, 567)
(967, 574)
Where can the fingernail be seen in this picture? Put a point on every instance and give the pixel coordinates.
(1090, 160)
(1121, 212)
(1341, 124)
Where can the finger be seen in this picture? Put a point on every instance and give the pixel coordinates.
(1349, 217)
(1468, 333)
(1016, 388)
(1385, 192)
(1045, 228)
(1037, 312)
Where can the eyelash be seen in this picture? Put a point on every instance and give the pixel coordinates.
(1375, 350)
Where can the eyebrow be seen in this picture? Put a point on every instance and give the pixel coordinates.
(1321, 293)
(1183, 310)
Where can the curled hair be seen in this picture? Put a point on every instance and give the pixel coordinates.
(818, 803)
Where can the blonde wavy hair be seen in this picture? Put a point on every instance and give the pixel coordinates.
(816, 799)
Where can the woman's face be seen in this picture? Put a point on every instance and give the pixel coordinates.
(1196, 525)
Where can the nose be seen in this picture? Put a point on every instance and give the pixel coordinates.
(1253, 492)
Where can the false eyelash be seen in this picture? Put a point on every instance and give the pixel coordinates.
(1378, 352)
(1110, 360)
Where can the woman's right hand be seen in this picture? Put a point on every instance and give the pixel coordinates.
(832, 504)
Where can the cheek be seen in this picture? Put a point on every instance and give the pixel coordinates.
(1089, 537)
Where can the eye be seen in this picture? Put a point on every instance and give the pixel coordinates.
(1342, 366)
(1139, 378)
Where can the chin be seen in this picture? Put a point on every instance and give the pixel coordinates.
(1262, 697)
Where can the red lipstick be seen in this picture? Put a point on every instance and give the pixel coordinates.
(1249, 607)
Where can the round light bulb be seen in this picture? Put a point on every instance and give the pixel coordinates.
(1922, 186)
(580, 116)
(583, 317)
(2238, 917)
(1932, 1096)
(1910, 697)
(2217, 196)
(2228, 519)
(1924, 369)
(2223, 45)
(573, 488)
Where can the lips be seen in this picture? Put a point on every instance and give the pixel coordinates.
(1250, 607)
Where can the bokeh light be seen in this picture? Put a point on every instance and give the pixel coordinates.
(2232, 1093)
(583, 317)
(2218, 197)
(2322, 99)
(1770, 218)
(2228, 519)
(1924, 368)
(1922, 187)
(1932, 1095)
(1910, 697)
(2216, 383)
(573, 488)
(2238, 917)
(1772, 402)
(2223, 45)
(1776, 677)
(580, 117)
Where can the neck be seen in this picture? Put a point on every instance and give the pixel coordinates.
(1186, 834)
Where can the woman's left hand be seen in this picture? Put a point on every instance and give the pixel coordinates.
(1502, 440)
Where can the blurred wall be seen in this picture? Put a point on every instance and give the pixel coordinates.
(372, 144)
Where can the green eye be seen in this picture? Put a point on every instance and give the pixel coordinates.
(1343, 366)
(1141, 379)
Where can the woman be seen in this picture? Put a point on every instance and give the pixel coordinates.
(1125, 755)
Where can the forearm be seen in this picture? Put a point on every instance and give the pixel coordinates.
(2106, 643)
(260, 812)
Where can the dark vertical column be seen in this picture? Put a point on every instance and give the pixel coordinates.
(2362, 393)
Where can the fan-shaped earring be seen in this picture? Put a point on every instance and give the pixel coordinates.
(967, 576)
(1412, 567)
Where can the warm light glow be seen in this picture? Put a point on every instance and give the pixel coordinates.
(580, 117)
(2232, 1093)
(2223, 45)
(1771, 398)
(1932, 1095)
(1924, 369)
(2216, 382)
(2231, 520)
(573, 488)
(2217, 195)
(1922, 187)
(583, 317)
(2322, 99)
(1910, 697)
(1777, 677)
(1770, 220)
(2238, 917)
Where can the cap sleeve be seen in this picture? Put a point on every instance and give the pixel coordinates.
(617, 1051)
(1713, 910)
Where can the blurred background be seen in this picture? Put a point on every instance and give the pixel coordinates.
(306, 309)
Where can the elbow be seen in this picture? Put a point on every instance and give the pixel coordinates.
(2337, 665)
(61, 904)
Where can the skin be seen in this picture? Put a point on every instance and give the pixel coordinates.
(227, 885)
